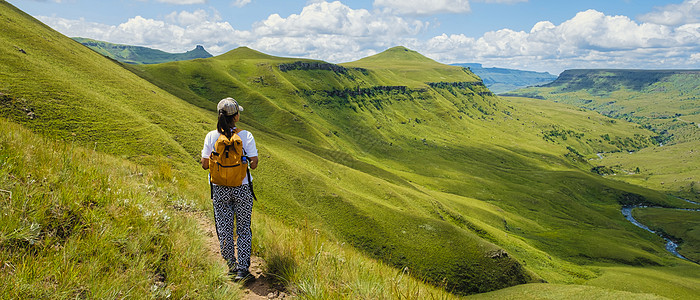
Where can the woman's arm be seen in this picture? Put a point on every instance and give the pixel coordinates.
(205, 163)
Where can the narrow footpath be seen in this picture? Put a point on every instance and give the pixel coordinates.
(260, 286)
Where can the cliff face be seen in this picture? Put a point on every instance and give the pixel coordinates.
(610, 80)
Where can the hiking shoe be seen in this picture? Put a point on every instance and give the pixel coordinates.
(231, 268)
(241, 275)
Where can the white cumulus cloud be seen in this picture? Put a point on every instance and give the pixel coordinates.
(337, 19)
(432, 7)
(323, 30)
(425, 7)
(590, 39)
(674, 14)
(241, 3)
(332, 31)
(179, 32)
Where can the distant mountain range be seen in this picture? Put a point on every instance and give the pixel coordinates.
(140, 55)
(500, 80)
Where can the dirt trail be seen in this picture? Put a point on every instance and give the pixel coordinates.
(260, 286)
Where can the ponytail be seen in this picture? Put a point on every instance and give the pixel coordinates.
(226, 124)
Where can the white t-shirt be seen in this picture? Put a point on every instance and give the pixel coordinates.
(247, 141)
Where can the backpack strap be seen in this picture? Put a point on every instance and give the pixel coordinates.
(211, 187)
(250, 179)
(250, 183)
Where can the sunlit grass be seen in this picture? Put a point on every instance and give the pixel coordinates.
(81, 224)
(313, 266)
(682, 226)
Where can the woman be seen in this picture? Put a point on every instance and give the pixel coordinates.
(232, 203)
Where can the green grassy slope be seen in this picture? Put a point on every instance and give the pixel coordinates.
(662, 101)
(411, 68)
(396, 146)
(682, 226)
(656, 99)
(140, 55)
(78, 223)
(64, 90)
(436, 175)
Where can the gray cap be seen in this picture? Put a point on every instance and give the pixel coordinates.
(229, 106)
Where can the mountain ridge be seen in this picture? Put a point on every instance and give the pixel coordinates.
(138, 54)
(402, 64)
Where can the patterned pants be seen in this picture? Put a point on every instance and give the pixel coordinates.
(234, 204)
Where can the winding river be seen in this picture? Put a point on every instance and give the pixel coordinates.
(671, 246)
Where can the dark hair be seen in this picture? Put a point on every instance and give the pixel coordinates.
(226, 124)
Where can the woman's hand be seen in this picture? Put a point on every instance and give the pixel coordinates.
(205, 163)
(253, 162)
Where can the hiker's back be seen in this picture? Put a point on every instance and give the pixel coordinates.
(226, 162)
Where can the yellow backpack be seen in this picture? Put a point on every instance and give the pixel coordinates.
(226, 163)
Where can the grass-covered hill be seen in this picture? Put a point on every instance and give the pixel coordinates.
(500, 80)
(394, 158)
(140, 55)
(97, 196)
(664, 101)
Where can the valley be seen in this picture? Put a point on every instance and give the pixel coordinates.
(393, 176)
(663, 101)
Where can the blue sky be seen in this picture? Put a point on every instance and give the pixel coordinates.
(547, 35)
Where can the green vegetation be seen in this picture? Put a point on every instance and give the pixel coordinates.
(140, 55)
(663, 101)
(77, 223)
(587, 132)
(671, 282)
(668, 168)
(313, 266)
(681, 226)
(658, 100)
(388, 163)
(556, 291)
